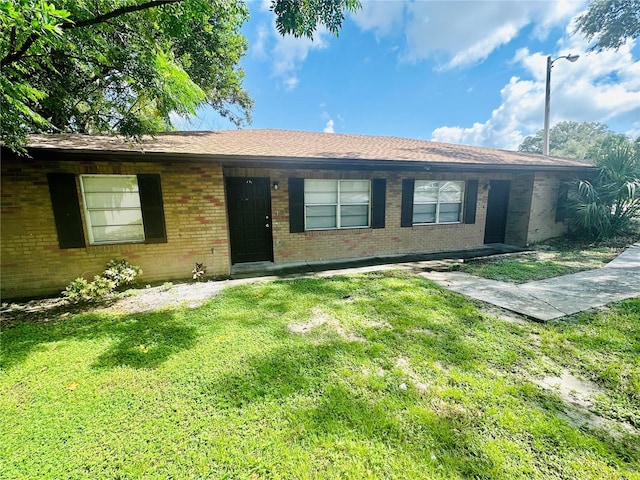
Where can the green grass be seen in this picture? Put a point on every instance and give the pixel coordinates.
(523, 270)
(228, 391)
(560, 257)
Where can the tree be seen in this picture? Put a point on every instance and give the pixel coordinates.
(607, 204)
(567, 139)
(610, 22)
(130, 67)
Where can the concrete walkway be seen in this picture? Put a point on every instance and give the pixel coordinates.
(542, 300)
(555, 297)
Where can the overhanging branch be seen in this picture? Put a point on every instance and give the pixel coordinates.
(16, 55)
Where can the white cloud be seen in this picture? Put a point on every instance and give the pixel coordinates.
(258, 47)
(634, 131)
(289, 52)
(481, 49)
(286, 53)
(265, 5)
(600, 87)
(290, 82)
(460, 33)
(328, 128)
(383, 18)
(503, 129)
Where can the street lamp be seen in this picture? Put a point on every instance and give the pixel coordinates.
(547, 99)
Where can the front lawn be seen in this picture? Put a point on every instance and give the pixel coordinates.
(553, 258)
(383, 375)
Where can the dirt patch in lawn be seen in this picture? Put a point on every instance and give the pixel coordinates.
(320, 318)
(579, 395)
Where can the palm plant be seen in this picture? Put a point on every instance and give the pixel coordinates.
(607, 204)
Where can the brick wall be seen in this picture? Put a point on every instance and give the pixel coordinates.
(196, 221)
(350, 243)
(542, 224)
(33, 264)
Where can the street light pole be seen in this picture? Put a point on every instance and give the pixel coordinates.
(547, 100)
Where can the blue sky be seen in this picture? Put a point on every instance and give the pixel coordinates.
(469, 72)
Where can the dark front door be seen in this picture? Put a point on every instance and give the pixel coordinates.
(497, 206)
(249, 207)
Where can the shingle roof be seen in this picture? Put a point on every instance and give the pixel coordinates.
(291, 145)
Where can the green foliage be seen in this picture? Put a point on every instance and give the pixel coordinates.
(301, 18)
(109, 66)
(77, 290)
(559, 256)
(227, 390)
(607, 204)
(117, 274)
(105, 67)
(610, 22)
(567, 139)
(521, 270)
(121, 272)
(80, 290)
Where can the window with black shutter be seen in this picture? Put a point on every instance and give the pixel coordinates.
(117, 208)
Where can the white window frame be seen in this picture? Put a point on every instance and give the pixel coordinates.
(338, 205)
(437, 202)
(87, 211)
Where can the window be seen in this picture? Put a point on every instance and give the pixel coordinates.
(112, 208)
(437, 202)
(336, 204)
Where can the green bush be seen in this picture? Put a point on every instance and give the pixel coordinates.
(608, 204)
(117, 274)
(77, 291)
(121, 272)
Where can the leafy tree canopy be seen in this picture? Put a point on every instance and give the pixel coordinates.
(130, 66)
(610, 22)
(567, 139)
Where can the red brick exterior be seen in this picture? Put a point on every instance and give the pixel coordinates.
(542, 224)
(33, 264)
(197, 227)
(364, 242)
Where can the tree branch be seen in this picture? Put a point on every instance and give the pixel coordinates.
(16, 55)
(117, 12)
(12, 40)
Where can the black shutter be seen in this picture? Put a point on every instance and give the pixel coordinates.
(152, 208)
(470, 201)
(406, 214)
(378, 202)
(296, 205)
(66, 209)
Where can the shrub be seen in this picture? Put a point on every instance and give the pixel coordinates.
(118, 273)
(121, 272)
(77, 291)
(607, 204)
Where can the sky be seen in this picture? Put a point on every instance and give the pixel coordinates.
(468, 71)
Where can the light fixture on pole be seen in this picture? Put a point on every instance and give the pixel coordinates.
(547, 99)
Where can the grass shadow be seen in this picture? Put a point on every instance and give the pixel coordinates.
(450, 440)
(142, 340)
(276, 375)
(146, 341)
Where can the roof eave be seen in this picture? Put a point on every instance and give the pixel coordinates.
(305, 162)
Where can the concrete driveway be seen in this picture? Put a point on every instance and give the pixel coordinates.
(555, 297)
